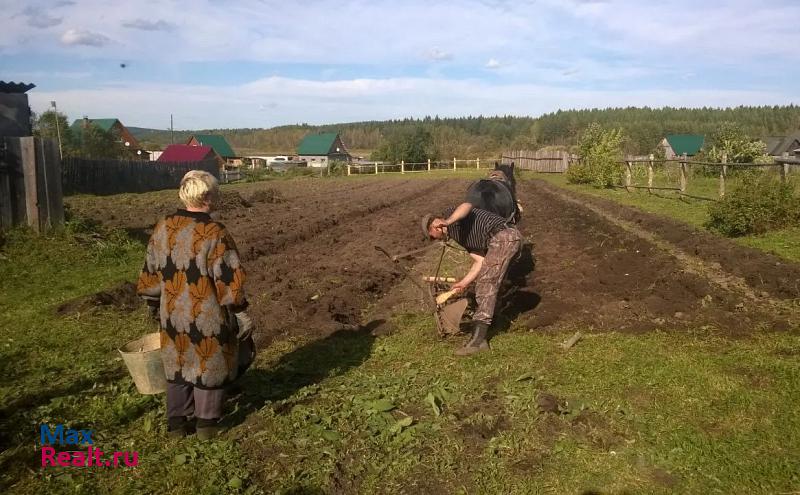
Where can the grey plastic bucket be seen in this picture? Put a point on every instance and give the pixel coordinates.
(143, 359)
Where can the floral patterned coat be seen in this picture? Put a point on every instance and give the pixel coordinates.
(193, 273)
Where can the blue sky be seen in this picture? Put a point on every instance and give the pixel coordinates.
(262, 63)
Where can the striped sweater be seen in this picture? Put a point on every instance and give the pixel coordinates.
(475, 230)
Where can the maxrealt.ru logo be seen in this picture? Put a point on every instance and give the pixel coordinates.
(71, 439)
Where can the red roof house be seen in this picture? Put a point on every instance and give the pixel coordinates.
(186, 153)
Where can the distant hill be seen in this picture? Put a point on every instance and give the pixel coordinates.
(487, 136)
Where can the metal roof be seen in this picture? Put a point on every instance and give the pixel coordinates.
(105, 124)
(185, 153)
(217, 142)
(15, 87)
(690, 144)
(317, 144)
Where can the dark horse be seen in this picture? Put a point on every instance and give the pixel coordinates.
(497, 194)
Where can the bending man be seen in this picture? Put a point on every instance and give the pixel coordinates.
(492, 244)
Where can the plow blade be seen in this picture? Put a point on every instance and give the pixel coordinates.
(448, 317)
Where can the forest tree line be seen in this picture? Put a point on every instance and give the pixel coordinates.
(643, 128)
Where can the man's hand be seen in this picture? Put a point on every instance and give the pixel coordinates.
(438, 223)
(245, 325)
(459, 286)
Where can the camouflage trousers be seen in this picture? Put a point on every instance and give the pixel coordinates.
(503, 246)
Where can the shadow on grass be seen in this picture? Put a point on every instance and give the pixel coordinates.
(304, 366)
(517, 296)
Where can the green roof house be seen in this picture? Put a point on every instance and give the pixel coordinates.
(113, 126)
(217, 142)
(318, 149)
(676, 145)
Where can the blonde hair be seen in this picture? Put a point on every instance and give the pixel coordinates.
(198, 187)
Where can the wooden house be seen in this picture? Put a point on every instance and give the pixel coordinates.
(113, 126)
(188, 153)
(220, 146)
(778, 145)
(320, 149)
(15, 114)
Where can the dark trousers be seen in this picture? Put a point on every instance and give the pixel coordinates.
(503, 246)
(186, 400)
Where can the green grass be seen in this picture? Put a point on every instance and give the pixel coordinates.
(664, 412)
(784, 242)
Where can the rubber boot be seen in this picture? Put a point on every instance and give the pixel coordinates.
(178, 426)
(478, 341)
(207, 429)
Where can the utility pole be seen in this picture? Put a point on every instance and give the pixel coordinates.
(171, 129)
(58, 129)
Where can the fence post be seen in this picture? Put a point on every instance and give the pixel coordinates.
(564, 162)
(376, 168)
(784, 167)
(454, 163)
(402, 166)
(348, 170)
(28, 158)
(650, 174)
(628, 176)
(683, 173)
(429, 164)
(723, 172)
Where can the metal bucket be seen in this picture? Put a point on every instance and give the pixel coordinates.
(143, 359)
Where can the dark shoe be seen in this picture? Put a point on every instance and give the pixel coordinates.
(207, 429)
(178, 426)
(469, 350)
(477, 342)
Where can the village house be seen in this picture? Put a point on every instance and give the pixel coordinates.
(115, 127)
(778, 145)
(676, 145)
(15, 115)
(319, 149)
(188, 153)
(220, 146)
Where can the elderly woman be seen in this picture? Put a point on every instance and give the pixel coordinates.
(193, 282)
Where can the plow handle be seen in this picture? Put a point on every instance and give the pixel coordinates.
(444, 296)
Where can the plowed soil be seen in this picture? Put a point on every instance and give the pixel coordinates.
(312, 268)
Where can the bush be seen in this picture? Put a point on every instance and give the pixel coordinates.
(600, 151)
(579, 173)
(256, 175)
(337, 168)
(758, 203)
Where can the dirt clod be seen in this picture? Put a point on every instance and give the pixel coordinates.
(270, 196)
(122, 297)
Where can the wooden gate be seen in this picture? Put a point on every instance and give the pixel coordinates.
(30, 183)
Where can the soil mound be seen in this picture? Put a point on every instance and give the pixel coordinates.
(122, 297)
(231, 200)
(270, 196)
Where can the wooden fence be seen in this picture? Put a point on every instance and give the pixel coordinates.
(127, 176)
(684, 165)
(429, 166)
(540, 161)
(30, 183)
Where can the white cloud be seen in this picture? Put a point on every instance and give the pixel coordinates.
(84, 37)
(493, 63)
(543, 55)
(319, 102)
(389, 33)
(148, 25)
(38, 18)
(438, 55)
